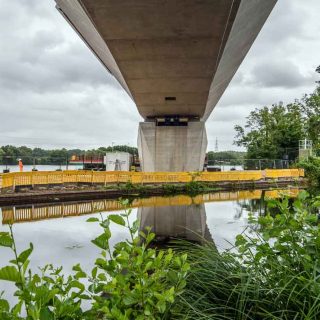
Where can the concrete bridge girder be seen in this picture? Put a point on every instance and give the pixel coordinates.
(173, 57)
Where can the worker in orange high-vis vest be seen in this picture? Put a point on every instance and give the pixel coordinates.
(20, 165)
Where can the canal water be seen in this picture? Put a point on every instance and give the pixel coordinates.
(62, 236)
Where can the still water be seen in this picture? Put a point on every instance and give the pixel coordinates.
(61, 235)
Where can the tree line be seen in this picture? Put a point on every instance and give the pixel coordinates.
(10, 154)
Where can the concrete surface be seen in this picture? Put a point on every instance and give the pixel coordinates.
(187, 49)
(172, 148)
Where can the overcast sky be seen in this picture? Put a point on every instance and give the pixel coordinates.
(55, 93)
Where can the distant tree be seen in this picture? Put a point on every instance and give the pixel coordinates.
(235, 157)
(1, 155)
(273, 132)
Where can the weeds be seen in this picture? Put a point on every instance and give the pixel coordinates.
(129, 281)
(272, 273)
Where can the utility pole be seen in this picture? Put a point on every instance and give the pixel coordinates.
(216, 149)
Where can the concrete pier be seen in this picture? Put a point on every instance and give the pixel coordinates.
(172, 148)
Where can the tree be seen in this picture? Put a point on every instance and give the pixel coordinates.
(272, 133)
(310, 105)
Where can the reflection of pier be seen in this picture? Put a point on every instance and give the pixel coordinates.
(183, 222)
(68, 209)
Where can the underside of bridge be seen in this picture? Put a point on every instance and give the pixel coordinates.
(174, 58)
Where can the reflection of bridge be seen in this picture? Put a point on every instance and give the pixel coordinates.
(174, 59)
(68, 209)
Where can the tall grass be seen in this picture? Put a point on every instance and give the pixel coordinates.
(273, 275)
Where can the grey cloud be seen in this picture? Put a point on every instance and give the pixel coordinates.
(280, 74)
(54, 92)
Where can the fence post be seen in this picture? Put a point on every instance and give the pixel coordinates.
(32, 184)
(14, 183)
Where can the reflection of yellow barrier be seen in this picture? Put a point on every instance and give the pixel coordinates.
(60, 210)
(14, 179)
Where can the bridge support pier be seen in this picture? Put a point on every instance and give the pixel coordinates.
(172, 148)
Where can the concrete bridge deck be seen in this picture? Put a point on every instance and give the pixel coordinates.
(175, 59)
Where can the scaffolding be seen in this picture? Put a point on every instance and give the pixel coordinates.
(305, 149)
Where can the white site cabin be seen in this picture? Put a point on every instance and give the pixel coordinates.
(118, 161)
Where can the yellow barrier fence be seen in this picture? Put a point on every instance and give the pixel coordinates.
(11, 180)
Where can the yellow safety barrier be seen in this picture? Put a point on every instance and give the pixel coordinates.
(11, 180)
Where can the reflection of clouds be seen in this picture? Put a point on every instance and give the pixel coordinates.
(221, 223)
(51, 239)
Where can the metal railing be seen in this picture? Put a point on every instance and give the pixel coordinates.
(11, 180)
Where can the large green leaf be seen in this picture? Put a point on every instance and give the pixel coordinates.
(92, 219)
(4, 305)
(24, 255)
(46, 314)
(102, 241)
(117, 219)
(10, 273)
(6, 240)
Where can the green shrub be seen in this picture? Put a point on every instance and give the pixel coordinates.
(170, 189)
(312, 170)
(132, 281)
(195, 187)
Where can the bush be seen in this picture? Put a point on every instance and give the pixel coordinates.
(170, 189)
(312, 170)
(195, 187)
(132, 281)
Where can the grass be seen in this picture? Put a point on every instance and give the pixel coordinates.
(219, 287)
(274, 274)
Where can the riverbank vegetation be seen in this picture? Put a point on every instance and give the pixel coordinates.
(272, 272)
(132, 280)
(311, 167)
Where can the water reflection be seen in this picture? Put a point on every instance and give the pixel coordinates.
(183, 222)
(35, 212)
(217, 216)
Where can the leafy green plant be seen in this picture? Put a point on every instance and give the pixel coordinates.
(312, 170)
(195, 187)
(129, 281)
(49, 295)
(170, 189)
(135, 281)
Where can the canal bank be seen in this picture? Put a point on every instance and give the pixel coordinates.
(62, 236)
(29, 187)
